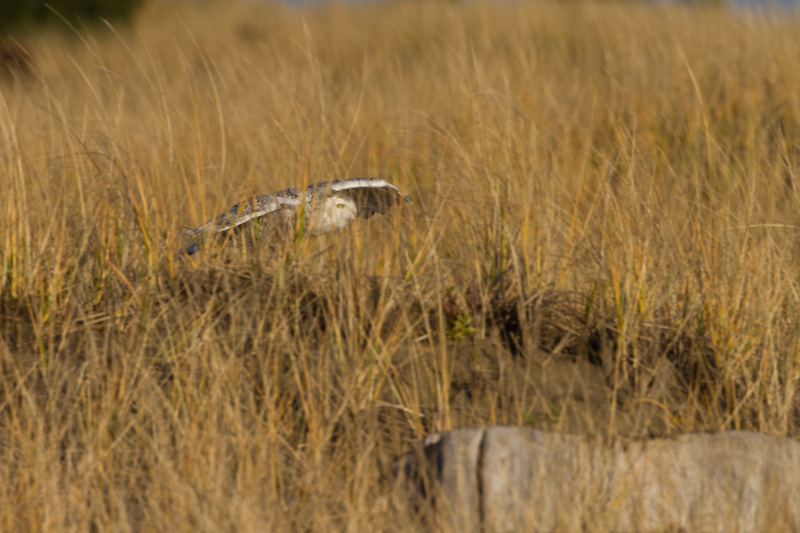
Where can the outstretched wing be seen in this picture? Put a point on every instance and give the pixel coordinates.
(254, 207)
(371, 195)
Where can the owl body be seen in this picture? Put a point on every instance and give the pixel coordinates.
(326, 207)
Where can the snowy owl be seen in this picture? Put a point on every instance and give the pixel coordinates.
(326, 206)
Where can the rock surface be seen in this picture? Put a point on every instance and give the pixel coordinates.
(499, 479)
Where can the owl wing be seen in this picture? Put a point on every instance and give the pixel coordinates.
(371, 195)
(254, 207)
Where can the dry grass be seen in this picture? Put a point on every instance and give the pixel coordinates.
(604, 240)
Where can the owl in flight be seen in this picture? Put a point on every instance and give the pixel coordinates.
(326, 206)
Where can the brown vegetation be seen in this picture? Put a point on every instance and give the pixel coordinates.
(16, 61)
(603, 240)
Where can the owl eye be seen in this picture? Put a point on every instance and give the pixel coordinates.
(340, 206)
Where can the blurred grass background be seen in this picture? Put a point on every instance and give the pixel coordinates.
(603, 241)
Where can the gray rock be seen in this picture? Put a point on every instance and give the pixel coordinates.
(499, 479)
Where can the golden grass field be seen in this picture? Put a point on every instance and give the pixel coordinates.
(603, 240)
